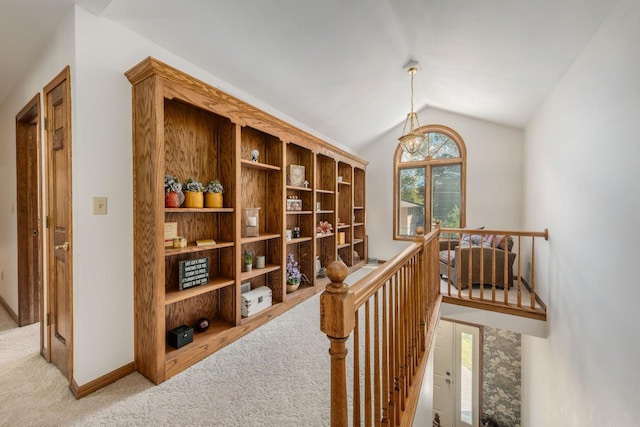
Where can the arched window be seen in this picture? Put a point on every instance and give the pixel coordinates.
(430, 184)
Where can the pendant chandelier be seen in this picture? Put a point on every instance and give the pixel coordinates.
(411, 141)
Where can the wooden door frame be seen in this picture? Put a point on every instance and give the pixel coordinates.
(61, 77)
(30, 293)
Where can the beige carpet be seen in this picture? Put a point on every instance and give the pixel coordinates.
(277, 375)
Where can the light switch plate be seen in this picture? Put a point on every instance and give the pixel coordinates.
(99, 205)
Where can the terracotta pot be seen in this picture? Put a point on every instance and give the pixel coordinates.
(212, 200)
(171, 200)
(292, 287)
(193, 199)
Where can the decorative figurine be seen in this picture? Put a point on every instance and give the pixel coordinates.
(202, 324)
(254, 155)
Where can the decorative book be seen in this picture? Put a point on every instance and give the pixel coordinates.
(170, 233)
(205, 242)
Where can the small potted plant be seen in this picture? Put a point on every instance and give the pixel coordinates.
(293, 274)
(173, 196)
(213, 194)
(193, 197)
(248, 260)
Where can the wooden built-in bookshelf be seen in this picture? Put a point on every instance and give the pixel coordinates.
(189, 129)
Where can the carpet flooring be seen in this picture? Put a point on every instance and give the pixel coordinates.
(277, 375)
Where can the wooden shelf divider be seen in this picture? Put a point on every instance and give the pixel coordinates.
(186, 128)
(255, 272)
(214, 284)
(298, 240)
(259, 238)
(258, 165)
(191, 248)
(201, 210)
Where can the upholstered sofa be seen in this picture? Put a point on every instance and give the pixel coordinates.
(453, 254)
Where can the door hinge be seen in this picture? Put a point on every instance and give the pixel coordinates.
(46, 124)
(47, 221)
(48, 319)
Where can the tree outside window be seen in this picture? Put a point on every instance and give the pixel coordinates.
(430, 184)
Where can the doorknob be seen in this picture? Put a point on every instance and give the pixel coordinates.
(64, 246)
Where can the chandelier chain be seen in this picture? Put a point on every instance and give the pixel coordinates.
(411, 141)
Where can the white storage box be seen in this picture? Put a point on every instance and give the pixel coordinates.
(255, 301)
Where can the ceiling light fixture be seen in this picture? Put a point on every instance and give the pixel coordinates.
(412, 141)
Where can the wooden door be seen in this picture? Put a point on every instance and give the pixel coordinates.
(58, 127)
(28, 180)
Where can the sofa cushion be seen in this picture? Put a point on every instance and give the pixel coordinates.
(448, 257)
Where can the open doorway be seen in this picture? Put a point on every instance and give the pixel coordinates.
(29, 208)
(457, 371)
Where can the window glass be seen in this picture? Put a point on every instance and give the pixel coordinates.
(435, 146)
(466, 377)
(430, 183)
(412, 199)
(445, 195)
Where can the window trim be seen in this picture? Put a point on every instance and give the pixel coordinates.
(398, 165)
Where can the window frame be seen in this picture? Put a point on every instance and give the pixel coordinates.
(428, 164)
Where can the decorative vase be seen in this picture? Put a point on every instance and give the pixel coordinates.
(292, 286)
(212, 200)
(202, 324)
(249, 267)
(193, 199)
(171, 200)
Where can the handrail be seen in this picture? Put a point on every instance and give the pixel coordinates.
(544, 233)
(391, 315)
(367, 286)
(497, 266)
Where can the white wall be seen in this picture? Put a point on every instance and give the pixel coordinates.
(582, 180)
(99, 52)
(57, 54)
(494, 178)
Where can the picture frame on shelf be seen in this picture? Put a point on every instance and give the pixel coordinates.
(294, 205)
(297, 175)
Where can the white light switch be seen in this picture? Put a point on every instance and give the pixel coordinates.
(99, 205)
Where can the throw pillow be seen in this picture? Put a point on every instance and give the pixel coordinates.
(467, 240)
(503, 243)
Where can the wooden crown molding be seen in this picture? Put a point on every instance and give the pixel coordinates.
(236, 110)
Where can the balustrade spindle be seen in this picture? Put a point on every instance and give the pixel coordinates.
(519, 272)
(391, 352)
(505, 273)
(533, 274)
(493, 272)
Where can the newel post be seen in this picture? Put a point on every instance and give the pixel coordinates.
(337, 320)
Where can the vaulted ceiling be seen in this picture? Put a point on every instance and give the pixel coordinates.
(337, 65)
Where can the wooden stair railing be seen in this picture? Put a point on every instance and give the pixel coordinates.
(391, 314)
(495, 264)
